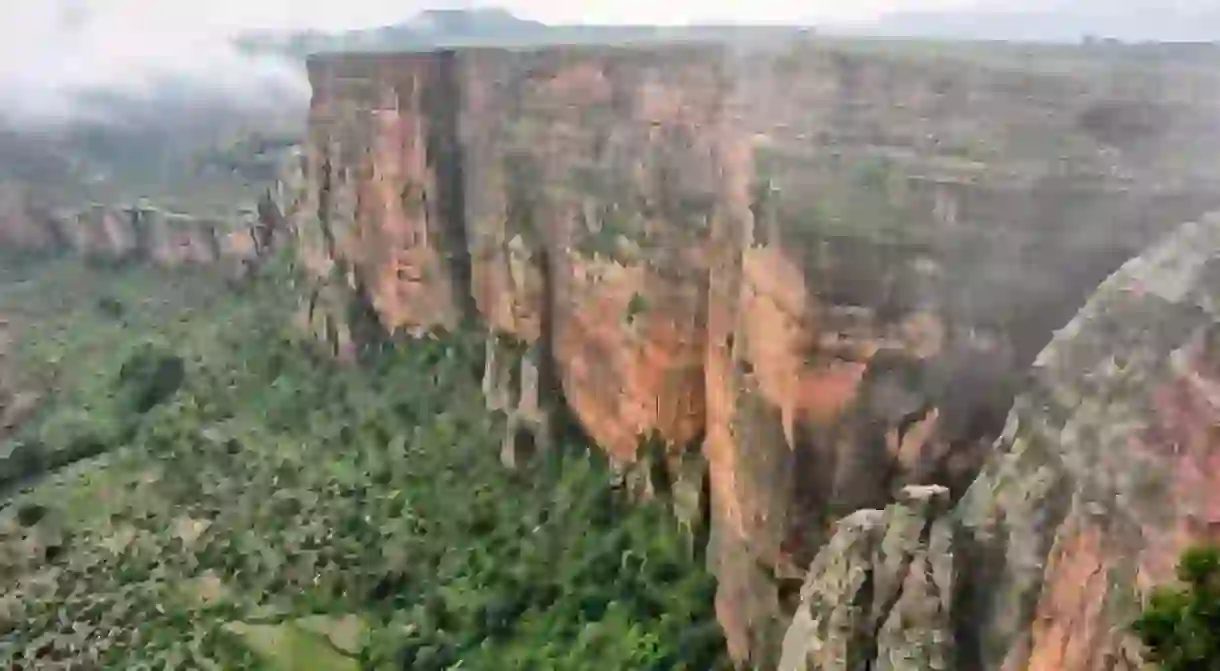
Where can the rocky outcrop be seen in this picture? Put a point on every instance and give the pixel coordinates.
(917, 230)
(814, 275)
(142, 233)
(1103, 474)
(879, 594)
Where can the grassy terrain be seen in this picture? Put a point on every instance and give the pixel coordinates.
(255, 506)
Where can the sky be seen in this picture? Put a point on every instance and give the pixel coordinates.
(50, 50)
(228, 15)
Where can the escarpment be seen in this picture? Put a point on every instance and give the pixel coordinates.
(233, 236)
(814, 275)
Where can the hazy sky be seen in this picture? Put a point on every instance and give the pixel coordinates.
(51, 50)
(222, 15)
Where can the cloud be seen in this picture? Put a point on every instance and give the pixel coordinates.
(58, 57)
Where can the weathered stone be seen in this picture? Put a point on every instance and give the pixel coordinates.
(1102, 475)
(878, 594)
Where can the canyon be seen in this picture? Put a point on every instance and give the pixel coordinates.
(783, 286)
(822, 270)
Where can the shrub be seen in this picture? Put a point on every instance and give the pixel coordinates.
(150, 376)
(1181, 626)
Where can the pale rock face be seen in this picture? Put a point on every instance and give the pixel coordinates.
(879, 594)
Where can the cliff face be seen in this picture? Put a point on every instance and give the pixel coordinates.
(1098, 483)
(145, 234)
(917, 229)
(376, 194)
(1101, 478)
(592, 180)
(815, 274)
(534, 187)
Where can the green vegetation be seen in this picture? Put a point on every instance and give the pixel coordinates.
(636, 307)
(1181, 627)
(255, 505)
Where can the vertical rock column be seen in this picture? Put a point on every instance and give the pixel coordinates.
(591, 179)
(383, 231)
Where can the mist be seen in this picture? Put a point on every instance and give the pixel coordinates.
(105, 100)
(62, 61)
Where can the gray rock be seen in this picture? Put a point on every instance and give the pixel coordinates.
(878, 595)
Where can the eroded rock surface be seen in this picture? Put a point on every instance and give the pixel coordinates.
(1105, 470)
(879, 594)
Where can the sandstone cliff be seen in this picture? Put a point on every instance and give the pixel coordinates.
(1098, 483)
(815, 274)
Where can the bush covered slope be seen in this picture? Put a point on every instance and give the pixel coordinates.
(256, 506)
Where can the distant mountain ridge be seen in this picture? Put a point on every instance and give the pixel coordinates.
(493, 27)
(1064, 22)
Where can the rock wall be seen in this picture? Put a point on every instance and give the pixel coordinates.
(1102, 476)
(815, 274)
(880, 593)
(1098, 483)
(919, 226)
(21, 225)
(141, 233)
